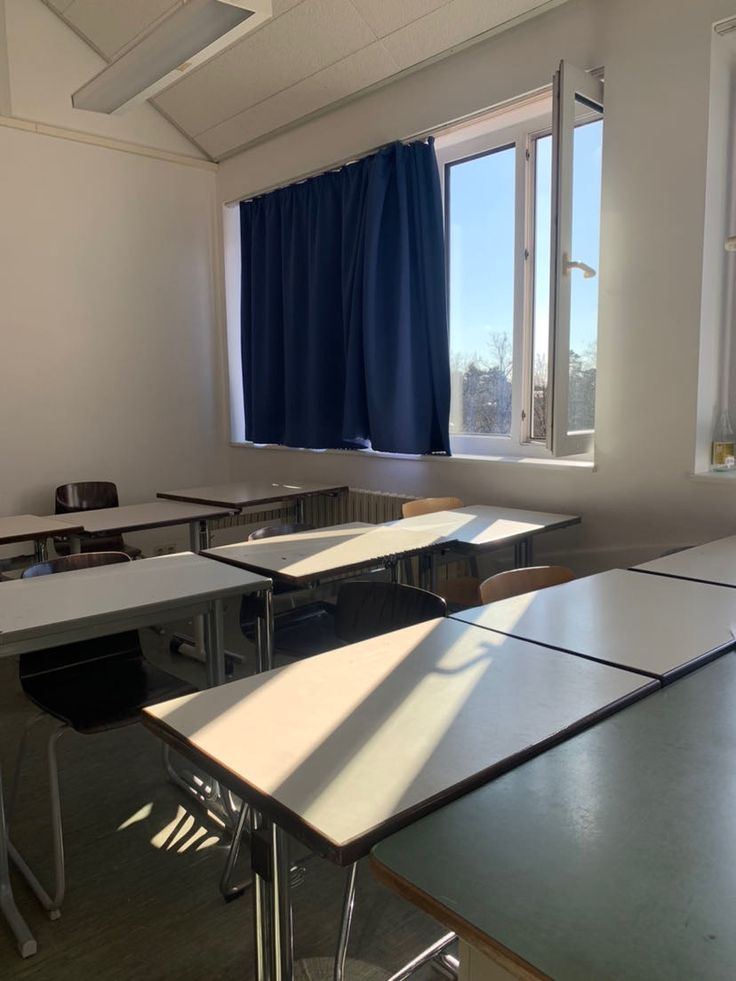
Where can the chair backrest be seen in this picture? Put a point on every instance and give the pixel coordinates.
(86, 495)
(368, 608)
(126, 644)
(69, 563)
(514, 582)
(276, 531)
(428, 505)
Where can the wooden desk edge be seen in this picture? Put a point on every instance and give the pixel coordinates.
(356, 848)
(61, 530)
(255, 502)
(505, 958)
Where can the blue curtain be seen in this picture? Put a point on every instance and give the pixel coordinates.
(344, 314)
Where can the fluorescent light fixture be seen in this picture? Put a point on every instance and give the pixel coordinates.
(183, 38)
(731, 244)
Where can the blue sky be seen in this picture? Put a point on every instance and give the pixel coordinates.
(482, 193)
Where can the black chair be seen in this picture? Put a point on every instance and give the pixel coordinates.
(91, 495)
(90, 686)
(306, 618)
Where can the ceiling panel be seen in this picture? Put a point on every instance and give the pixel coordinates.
(308, 38)
(312, 54)
(451, 24)
(386, 16)
(352, 74)
(111, 24)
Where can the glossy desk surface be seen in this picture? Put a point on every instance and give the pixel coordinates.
(50, 610)
(246, 493)
(714, 562)
(609, 858)
(136, 517)
(482, 526)
(343, 748)
(30, 527)
(312, 555)
(659, 626)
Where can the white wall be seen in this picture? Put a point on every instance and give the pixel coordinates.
(656, 55)
(107, 302)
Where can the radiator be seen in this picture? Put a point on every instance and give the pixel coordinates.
(373, 507)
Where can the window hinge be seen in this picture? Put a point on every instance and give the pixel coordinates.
(526, 253)
(527, 154)
(523, 414)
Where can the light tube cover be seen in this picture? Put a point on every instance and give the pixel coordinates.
(187, 36)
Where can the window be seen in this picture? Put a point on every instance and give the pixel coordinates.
(522, 218)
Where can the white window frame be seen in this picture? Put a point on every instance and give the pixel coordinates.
(521, 126)
(569, 85)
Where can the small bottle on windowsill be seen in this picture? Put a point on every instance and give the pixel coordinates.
(724, 444)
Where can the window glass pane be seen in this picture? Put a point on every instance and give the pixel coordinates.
(586, 223)
(481, 238)
(540, 328)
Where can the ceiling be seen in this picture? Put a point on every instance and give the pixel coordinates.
(312, 54)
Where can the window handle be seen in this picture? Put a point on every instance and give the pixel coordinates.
(568, 264)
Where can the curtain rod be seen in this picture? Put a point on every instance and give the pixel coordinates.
(424, 134)
(439, 130)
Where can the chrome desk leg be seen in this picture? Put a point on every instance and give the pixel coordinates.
(41, 549)
(261, 866)
(348, 907)
(264, 633)
(428, 571)
(282, 930)
(75, 544)
(215, 644)
(23, 936)
(227, 888)
(529, 557)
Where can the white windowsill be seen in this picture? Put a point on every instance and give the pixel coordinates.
(547, 463)
(714, 476)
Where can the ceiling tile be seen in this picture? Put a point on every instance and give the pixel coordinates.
(356, 72)
(60, 5)
(309, 37)
(386, 16)
(452, 24)
(110, 24)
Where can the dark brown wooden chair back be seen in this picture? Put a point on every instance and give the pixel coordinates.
(86, 495)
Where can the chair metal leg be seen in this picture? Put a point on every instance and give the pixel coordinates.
(227, 888)
(348, 906)
(430, 954)
(23, 936)
(51, 903)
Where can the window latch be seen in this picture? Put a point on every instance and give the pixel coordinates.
(568, 264)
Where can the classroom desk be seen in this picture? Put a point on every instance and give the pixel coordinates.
(655, 625)
(70, 606)
(483, 528)
(608, 858)
(139, 517)
(253, 493)
(714, 562)
(311, 557)
(379, 733)
(30, 527)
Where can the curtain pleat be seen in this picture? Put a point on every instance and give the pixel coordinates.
(344, 315)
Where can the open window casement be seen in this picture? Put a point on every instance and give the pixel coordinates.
(577, 101)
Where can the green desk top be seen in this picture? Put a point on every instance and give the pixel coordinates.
(612, 857)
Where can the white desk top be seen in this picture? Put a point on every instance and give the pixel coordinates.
(246, 493)
(482, 526)
(49, 610)
(656, 625)
(342, 748)
(714, 563)
(311, 555)
(29, 527)
(135, 517)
